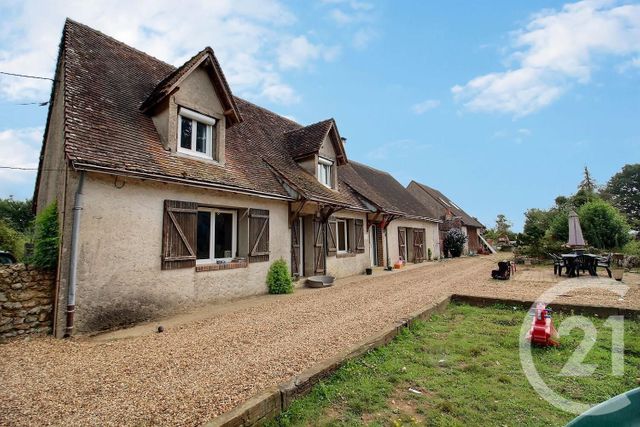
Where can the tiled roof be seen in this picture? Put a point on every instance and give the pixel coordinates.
(308, 139)
(440, 203)
(384, 190)
(107, 81)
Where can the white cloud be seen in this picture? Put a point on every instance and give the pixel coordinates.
(555, 50)
(362, 37)
(518, 135)
(397, 149)
(19, 148)
(297, 52)
(245, 35)
(424, 106)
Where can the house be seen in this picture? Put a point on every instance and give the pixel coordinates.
(172, 192)
(453, 216)
(400, 226)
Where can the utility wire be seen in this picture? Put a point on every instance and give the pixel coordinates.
(27, 76)
(21, 169)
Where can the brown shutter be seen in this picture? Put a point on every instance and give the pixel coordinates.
(179, 233)
(359, 232)
(295, 248)
(258, 235)
(318, 246)
(332, 229)
(418, 245)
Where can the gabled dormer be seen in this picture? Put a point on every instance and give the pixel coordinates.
(319, 149)
(192, 107)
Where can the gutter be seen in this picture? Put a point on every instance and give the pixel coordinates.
(73, 263)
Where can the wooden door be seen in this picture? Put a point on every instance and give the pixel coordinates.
(402, 243)
(418, 245)
(319, 255)
(296, 248)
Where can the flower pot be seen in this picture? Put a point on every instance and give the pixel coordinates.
(368, 271)
(617, 266)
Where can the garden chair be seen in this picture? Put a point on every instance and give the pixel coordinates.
(503, 272)
(558, 264)
(605, 262)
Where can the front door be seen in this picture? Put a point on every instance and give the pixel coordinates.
(373, 240)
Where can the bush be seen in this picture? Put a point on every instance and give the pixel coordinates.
(603, 225)
(454, 242)
(47, 239)
(11, 240)
(279, 278)
(632, 248)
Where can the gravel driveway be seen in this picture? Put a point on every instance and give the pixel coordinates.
(198, 369)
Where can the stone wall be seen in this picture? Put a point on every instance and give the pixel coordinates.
(26, 300)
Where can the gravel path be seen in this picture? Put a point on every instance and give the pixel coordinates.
(196, 370)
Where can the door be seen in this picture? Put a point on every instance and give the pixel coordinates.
(373, 240)
(319, 255)
(297, 258)
(418, 245)
(402, 243)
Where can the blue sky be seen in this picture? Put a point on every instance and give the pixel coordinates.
(499, 107)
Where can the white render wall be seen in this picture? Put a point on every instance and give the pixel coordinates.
(120, 279)
(349, 265)
(430, 237)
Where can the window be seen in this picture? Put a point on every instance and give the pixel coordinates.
(325, 168)
(342, 236)
(216, 239)
(196, 134)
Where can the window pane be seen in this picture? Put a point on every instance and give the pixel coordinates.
(224, 235)
(327, 172)
(204, 235)
(201, 138)
(185, 135)
(342, 236)
(214, 150)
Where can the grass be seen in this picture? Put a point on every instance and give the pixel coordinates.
(465, 363)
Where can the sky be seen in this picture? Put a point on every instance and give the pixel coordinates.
(500, 105)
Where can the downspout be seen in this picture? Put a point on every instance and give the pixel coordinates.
(386, 239)
(73, 263)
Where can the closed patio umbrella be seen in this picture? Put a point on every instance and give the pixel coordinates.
(575, 232)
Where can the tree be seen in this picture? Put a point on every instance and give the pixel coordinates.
(11, 240)
(17, 214)
(535, 228)
(623, 191)
(603, 225)
(588, 184)
(503, 226)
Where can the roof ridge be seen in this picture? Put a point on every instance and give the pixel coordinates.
(372, 168)
(111, 38)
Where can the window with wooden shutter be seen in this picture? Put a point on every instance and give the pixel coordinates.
(179, 234)
(332, 246)
(258, 235)
(402, 243)
(359, 235)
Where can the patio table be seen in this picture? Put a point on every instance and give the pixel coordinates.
(589, 261)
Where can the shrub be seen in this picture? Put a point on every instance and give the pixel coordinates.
(632, 248)
(429, 254)
(454, 242)
(11, 240)
(47, 239)
(279, 279)
(603, 225)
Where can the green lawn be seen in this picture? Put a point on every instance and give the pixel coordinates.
(465, 363)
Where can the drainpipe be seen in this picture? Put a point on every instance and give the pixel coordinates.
(386, 240)
(73, 264)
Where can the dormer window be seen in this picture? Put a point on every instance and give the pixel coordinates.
(325, 171)
(196, 134)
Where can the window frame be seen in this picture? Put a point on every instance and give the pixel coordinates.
(325, 165)
(212, 234)
(196, 118)
(346, 236)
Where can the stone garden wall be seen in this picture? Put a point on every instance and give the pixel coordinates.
(26, 300)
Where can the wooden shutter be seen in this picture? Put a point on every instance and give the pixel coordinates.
(318, 247)
(258, 235)
(359, 234)
(418, 245)
(402, 243)
(295, 248)
(179, 231)
(332, 229)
